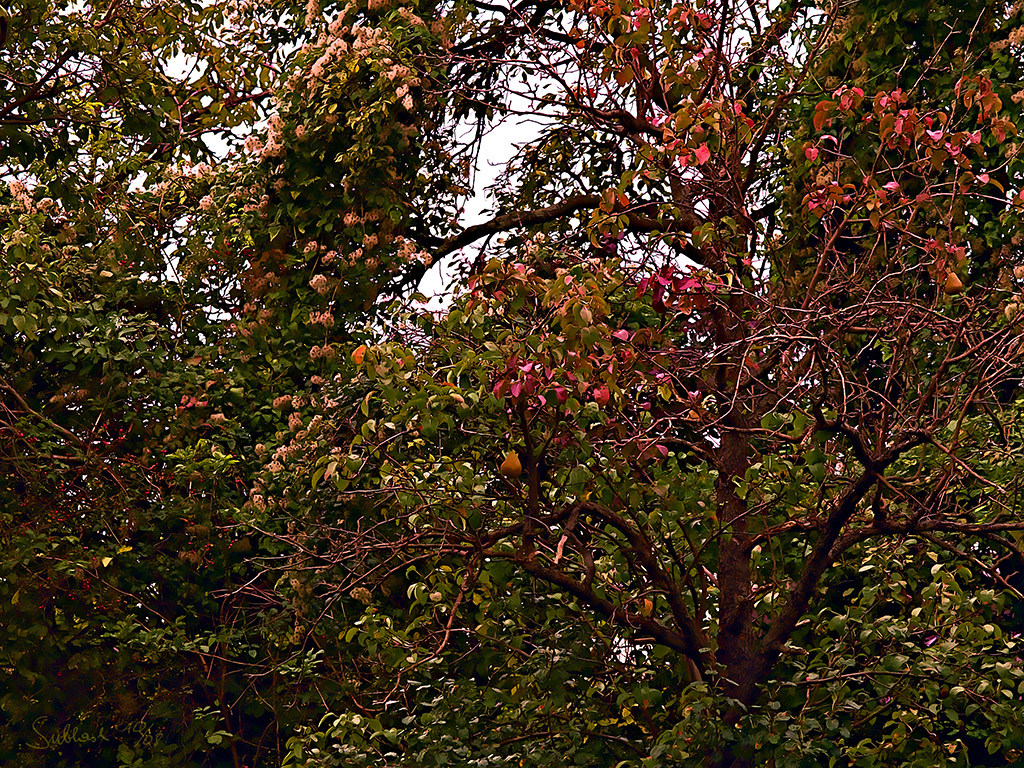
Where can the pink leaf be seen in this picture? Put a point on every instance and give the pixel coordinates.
(689, 284)
(811, 153)
(703, 154)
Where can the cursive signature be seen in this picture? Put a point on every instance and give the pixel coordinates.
(73, 733)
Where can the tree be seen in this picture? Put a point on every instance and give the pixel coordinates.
(118, 469)
(745, 312)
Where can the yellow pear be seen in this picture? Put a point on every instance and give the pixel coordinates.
(511, 466)
(953, 285)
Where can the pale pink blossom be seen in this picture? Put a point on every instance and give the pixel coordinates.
(319, 283)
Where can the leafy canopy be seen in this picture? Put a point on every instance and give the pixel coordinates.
(745, 309)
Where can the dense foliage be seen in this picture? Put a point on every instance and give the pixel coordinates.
(712, 456)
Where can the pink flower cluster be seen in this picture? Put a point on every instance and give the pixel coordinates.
(22, 197)
(324, 318)
(326, 351)
(275, 138)
(320, 284)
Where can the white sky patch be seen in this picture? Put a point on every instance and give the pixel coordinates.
(497, 148)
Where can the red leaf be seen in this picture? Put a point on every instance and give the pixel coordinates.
(822, 110)
(689, 284)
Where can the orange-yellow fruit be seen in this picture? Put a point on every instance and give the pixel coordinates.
(511, 466)
(953, 285)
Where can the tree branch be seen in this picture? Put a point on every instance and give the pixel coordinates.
(821, 557)
(515, 221)
(614, 612)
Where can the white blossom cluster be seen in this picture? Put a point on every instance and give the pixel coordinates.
(25, 201)
(407, 251)
(275, 138)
